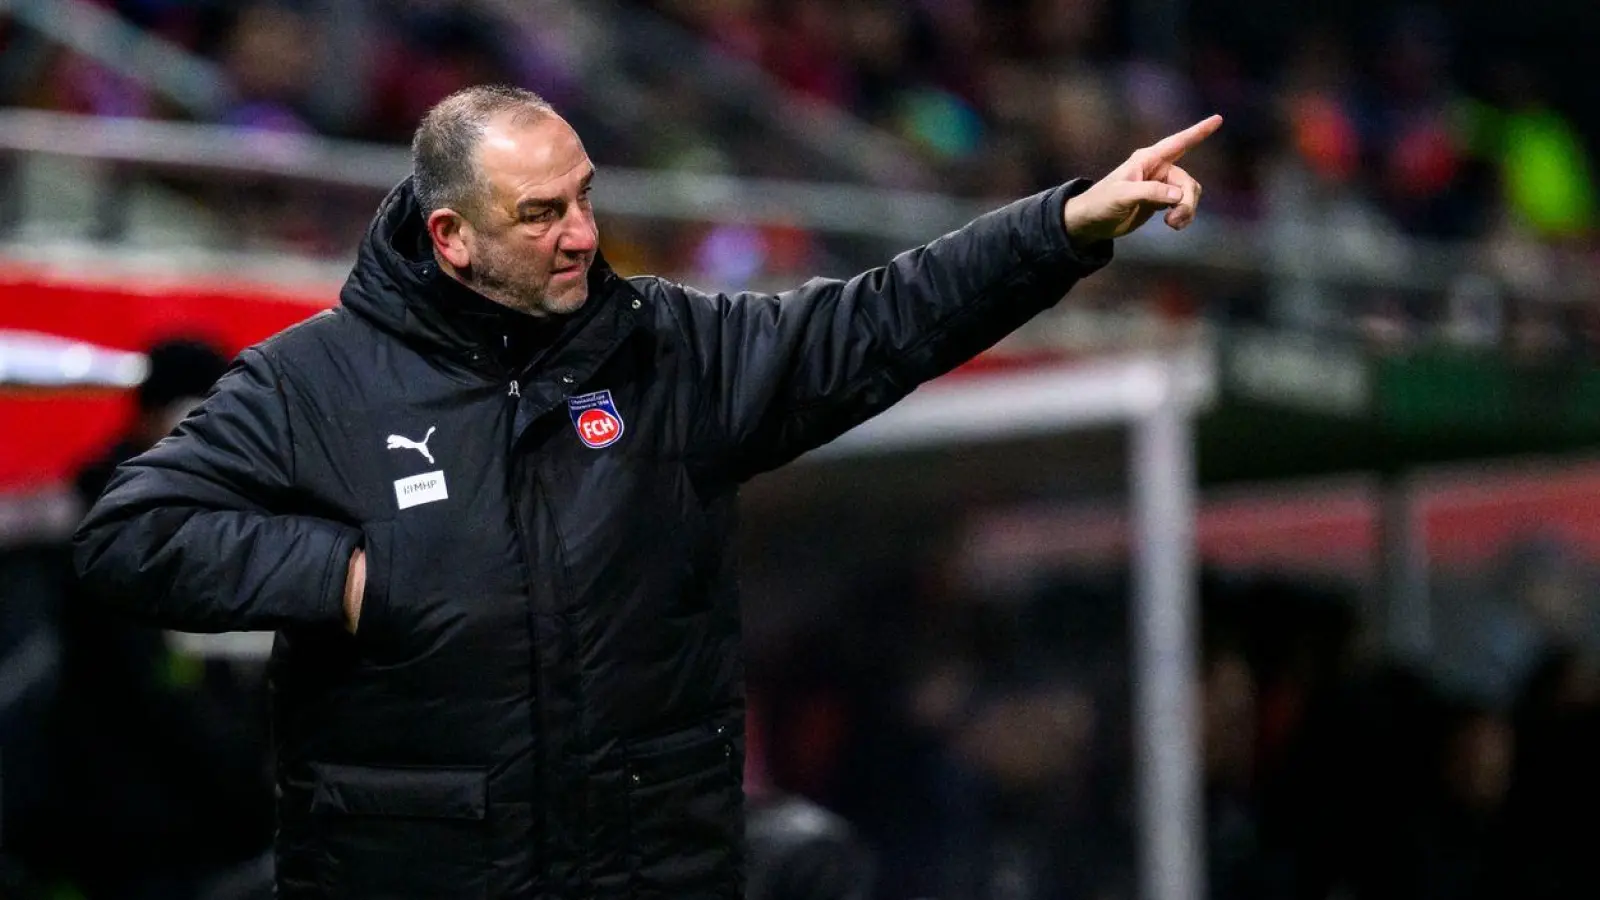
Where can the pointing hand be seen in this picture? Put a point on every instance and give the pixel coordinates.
(1148, 182)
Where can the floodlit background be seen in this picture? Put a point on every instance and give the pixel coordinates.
(1263, 566)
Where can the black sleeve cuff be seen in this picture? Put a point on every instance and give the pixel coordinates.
(1090, 255)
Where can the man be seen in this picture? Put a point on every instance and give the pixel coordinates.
(180, 372)
(800, 851)
(160, 780)
(485, 504)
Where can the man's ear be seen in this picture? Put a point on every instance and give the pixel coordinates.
(452, 235)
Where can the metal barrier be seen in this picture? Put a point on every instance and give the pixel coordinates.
(1302, 251)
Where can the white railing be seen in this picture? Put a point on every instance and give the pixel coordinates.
(655, 45)
(1302, 251)
(194, 83)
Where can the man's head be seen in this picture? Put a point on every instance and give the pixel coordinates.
(182, 371)
(504, 186)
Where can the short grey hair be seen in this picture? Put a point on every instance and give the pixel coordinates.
(444, 163)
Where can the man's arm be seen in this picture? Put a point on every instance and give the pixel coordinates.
(186, 535)
(784, 374)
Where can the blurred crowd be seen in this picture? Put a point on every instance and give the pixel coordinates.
(995, 99)
(1352, 148)
(1345, 145)
(1007, 96)
(979, 731)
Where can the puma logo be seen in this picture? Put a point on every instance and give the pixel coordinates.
(397, 442)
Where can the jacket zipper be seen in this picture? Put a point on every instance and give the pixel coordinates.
(514, 395)
(540, 800)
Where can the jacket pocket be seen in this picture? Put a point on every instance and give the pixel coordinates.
(686, 813)
(398, 833)
(378, 545)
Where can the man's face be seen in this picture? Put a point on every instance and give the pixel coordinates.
(531, 243)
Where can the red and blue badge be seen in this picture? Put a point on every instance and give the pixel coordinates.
(596, 418)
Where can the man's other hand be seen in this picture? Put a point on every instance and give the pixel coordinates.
(355, 585)
(1148, 182)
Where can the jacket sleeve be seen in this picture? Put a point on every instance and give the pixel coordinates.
(783, 374)
(191, 535)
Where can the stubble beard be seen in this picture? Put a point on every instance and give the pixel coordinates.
(494, 281)
(491, 281)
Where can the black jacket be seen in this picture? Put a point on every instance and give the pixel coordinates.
(544, 695)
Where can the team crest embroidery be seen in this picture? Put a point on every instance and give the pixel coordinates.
(596, 418)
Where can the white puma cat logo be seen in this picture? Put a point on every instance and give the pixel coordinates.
(396, 442)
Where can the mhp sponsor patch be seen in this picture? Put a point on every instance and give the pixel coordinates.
(596, 418)
(419, 489)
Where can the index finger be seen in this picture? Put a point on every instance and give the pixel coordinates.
(1172, 147)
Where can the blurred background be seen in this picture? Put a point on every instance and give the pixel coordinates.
(1263, 566)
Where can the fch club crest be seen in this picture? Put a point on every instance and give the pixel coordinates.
(596, 418)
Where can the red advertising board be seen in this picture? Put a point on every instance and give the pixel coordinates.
(46, 433)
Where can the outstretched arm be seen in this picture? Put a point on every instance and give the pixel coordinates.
(782, 374)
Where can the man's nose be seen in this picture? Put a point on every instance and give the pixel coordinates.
(581, 235)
